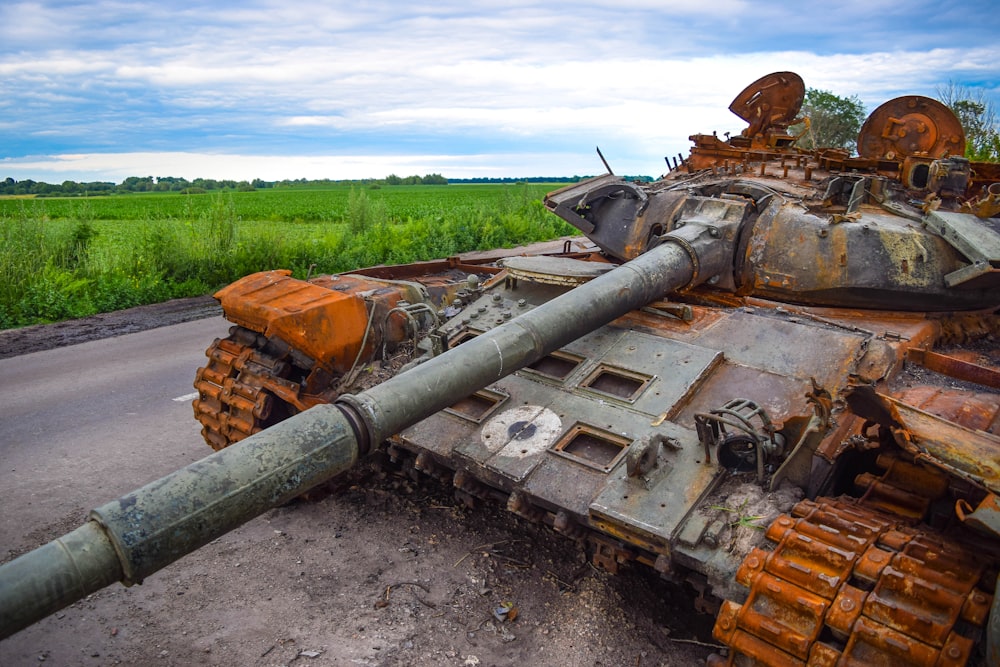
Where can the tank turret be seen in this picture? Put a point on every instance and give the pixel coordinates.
(807, 330)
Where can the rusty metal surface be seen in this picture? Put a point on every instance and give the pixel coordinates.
(851, 264)
(299, 343)
(769, 104)
(602, 440)
(239, 388)
(954, 367)
(987, 204)
(967, 453)
(325, 325)
(588, 496)
(876, 590)
(911, 125)
(985, 517)
(977, 410)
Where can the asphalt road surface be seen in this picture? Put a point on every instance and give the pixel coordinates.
(96, 408)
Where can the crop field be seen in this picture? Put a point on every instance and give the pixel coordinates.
(298, 204)
(62, 258)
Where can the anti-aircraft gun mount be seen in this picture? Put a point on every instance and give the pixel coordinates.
(746, 323)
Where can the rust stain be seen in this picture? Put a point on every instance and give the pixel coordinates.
(917, 589)
(955, 367)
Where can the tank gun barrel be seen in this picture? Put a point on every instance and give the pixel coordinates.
(131, 537)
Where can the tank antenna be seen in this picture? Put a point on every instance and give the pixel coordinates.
(606, 166)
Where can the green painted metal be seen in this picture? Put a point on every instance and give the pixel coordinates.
(47, 579)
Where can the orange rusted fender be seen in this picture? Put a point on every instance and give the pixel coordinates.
(326, 325)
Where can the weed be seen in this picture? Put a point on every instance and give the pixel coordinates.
(742, 520)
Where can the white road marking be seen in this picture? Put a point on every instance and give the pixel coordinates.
(186, 397)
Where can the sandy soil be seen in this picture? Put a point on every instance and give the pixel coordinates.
(385, 571)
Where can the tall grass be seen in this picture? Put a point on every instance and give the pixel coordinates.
(77, 265)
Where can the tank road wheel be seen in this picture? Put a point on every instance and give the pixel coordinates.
(233, 401)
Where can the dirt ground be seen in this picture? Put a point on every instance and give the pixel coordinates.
(14, 342)
(385, 571)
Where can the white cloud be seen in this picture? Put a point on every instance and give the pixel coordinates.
(636, 76)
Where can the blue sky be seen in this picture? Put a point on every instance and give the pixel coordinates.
(274, 89)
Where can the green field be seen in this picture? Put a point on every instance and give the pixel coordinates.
(73, 257)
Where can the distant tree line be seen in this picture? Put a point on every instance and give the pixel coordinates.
(429, 179)
(9, 186)
(531, 179)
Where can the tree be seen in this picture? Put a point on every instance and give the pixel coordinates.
(834, 121)
(978, 116)
(138, 183)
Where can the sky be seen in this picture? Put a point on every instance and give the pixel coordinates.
(272, 89)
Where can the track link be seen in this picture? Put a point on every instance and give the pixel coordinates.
(850, 585)
(242, 389)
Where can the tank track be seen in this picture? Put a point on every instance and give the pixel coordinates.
(847, 584)
(243, 389)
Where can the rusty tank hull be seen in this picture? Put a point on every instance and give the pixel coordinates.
(770, 375)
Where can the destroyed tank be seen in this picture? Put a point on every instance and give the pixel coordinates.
(770, 375)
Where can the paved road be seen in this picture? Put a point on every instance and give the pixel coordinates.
(76, 424)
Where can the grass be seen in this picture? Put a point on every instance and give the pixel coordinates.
(305, 204)
(742, 519)
(67, 258)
